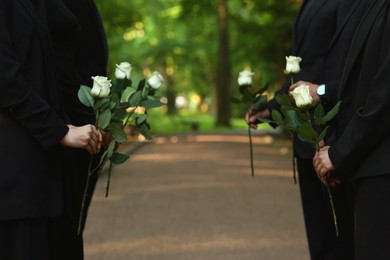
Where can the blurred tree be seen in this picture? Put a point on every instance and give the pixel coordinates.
(189, 42)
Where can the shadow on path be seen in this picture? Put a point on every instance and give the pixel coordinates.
(192, 197)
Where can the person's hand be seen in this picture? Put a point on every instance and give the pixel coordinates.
(251, 117)
(86, 137)
(107, 139)
(324, 167)
(312, 88)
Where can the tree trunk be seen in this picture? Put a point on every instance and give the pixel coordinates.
(223, 77)
(170, 90)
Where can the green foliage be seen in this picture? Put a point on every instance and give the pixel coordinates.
(180, 37)
(309, 125)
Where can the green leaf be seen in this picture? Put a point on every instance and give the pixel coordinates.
(307, 134)
(141, 84)
(118, 158)
(107, 153)
(151, 103)
(111, 148)
(292, 120)
(101, 104)
(104, 119)
(119, 114)
(117, 132)
(260, 103)
(332, 113)
(135, 99)
(145, 91)
(85, 97)
(144, 130)
(112, 105)
(319, 113)
(277, 117)
(322, 134)
(244, 90)
(285, 100)
(141, 119)
(102, 158)
(264, 120)
(127, 93)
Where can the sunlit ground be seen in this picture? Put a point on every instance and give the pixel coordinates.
(192, 197)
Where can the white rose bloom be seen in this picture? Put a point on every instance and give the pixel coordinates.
(302, 96)
(101, 87)
(245, 78)
(292, 65)
(123, 70)
(156, 80)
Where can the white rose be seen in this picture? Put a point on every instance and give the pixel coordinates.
(101, 87)
(156, 80)
(292, 65)
(123, 70)
(245, 78)
(302, 96)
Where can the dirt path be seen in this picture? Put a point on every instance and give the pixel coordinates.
(192, 197)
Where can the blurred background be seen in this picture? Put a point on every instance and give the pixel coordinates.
(200, 46)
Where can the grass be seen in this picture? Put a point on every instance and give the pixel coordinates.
(162, 124)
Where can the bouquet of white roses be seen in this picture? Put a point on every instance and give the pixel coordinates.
(118, 104)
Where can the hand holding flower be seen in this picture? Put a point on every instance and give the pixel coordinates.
(86, 137)
(323, 165)
(252, 116)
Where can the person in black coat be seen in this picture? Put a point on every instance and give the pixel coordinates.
(361, 149)
(80, 50)
(34, 130)
(318, 26)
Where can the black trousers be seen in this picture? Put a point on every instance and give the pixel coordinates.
(65, 242)
(25, 239)
(372, 218)
(318, 217)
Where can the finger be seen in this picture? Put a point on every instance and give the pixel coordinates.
(89, 149)
(324, 180)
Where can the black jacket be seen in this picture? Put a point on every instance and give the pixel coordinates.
(312, 37)
(32, 120)
(363, 139)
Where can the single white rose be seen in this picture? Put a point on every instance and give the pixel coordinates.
(123, 70)
(101, 87)
(292, 65)
(156, 80)
(245, 78)
(302, 97)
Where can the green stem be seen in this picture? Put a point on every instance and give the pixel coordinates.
(108, 180)
(251, 151)
(333, 210)
(90, 172)
(336, 226)
(85, 195)
(294, 162)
